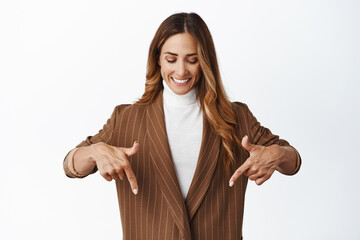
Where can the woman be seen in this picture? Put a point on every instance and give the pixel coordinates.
(185, 136)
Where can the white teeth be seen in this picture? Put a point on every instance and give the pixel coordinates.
(180, 81)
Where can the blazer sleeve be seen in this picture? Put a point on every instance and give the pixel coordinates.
(104, 135)
(259, 134)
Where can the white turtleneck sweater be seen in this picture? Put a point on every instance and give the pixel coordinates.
(184, 126)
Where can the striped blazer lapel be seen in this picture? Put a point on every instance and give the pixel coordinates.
(205, 168)
(165, 174)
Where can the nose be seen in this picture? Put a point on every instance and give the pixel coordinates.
(181, 69)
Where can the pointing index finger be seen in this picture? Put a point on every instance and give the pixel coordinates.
(132, 179)
(245, 166)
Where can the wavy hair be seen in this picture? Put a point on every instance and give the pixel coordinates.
(210, 91)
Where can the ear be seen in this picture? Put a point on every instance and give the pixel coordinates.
(159, 62)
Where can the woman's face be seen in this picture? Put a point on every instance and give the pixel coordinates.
(179, 64)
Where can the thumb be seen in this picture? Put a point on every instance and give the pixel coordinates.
(131, 151)
(246, 144)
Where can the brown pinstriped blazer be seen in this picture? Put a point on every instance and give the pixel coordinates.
(211, 210)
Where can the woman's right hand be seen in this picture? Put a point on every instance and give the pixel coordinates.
(113, 163)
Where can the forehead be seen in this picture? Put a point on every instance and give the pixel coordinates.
(181, 43)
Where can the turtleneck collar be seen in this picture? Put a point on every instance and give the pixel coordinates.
(171, 98)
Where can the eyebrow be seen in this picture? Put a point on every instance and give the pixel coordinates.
(174, 54)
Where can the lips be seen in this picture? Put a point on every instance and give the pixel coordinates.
(180, 81)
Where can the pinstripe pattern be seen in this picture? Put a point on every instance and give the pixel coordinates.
(211, 209)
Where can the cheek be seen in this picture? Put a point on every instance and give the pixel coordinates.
(163, 72)
(196, 71)
(162, 69)
(166, 70)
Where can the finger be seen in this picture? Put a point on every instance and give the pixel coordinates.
(246, 144)
(106, 176)
(244, 167)
(261, 180)
(121, 164)
(114, 175)
(104, 171)
(121, 174)
(264, 178)
(253, 169)
(112, 172)
(256, 176)
(131, 151)
(132, 179)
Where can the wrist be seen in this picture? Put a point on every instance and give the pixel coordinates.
(71, 164)
(278, 153)
(93, 150)
(288, 160)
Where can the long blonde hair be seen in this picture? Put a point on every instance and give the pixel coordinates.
(214, 103)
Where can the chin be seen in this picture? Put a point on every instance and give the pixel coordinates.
(181, 92)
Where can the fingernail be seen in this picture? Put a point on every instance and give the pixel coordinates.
(231, 184)
(135, 191)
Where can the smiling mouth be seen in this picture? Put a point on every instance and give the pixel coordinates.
(180, 81)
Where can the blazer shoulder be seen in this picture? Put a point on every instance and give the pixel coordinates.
(123, 109)
(239, 106)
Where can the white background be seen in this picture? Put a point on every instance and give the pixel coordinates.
(64, 65)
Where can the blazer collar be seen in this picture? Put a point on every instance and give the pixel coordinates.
(205, 168)
(159, 150)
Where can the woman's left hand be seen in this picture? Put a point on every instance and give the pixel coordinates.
(261, 164)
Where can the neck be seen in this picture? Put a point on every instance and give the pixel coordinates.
(179, 100)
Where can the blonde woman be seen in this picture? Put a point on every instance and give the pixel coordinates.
(182, 154)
